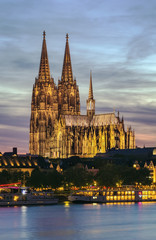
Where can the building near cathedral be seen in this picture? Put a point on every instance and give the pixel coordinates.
(13, 162)
(58, 130)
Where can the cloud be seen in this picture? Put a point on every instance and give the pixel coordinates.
(142, 46)
(114, 39)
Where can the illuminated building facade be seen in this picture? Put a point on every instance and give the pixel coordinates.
(58, 130)
(152, 168)
(24, 163)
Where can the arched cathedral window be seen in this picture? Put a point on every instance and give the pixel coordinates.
(48, 99)
(72, 100)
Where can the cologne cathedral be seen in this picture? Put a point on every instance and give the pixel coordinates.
(58, 130)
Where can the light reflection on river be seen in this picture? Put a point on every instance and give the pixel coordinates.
(79, 222)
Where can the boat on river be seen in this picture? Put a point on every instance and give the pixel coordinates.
(20, 196)
(113, 195)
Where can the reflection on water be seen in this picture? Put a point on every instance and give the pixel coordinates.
(66, 204)
(76, 222)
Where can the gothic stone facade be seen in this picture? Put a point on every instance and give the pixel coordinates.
(58, 130)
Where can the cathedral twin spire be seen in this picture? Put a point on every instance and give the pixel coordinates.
(44, 70)
(67, 75)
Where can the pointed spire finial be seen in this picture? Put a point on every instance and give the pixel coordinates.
(90, 96)
(44, 70)
(44, 34)
(67, 75)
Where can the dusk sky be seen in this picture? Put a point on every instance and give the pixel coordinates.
(116, 39)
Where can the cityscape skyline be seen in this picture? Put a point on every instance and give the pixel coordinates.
(115, 40)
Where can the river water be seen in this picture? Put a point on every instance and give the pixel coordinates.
(79, 222)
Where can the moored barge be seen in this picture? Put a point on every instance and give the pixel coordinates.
(113, 195)
(23, 196)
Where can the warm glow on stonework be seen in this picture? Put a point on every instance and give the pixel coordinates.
(58, 130)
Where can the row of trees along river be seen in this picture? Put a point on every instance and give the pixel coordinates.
(110, 175)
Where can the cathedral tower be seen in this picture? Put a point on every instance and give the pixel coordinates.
(90, 101)
(57, 129)
(44, 105)
(68, 91)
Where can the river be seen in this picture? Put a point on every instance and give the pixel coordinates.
(79, 222)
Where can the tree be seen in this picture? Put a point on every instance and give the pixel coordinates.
(17, 176)
(54, 179)
(37, 179)
(5, 177)
(77, 177)
(109, 176)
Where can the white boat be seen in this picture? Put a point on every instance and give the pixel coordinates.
(19, 196)
(113, 195)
